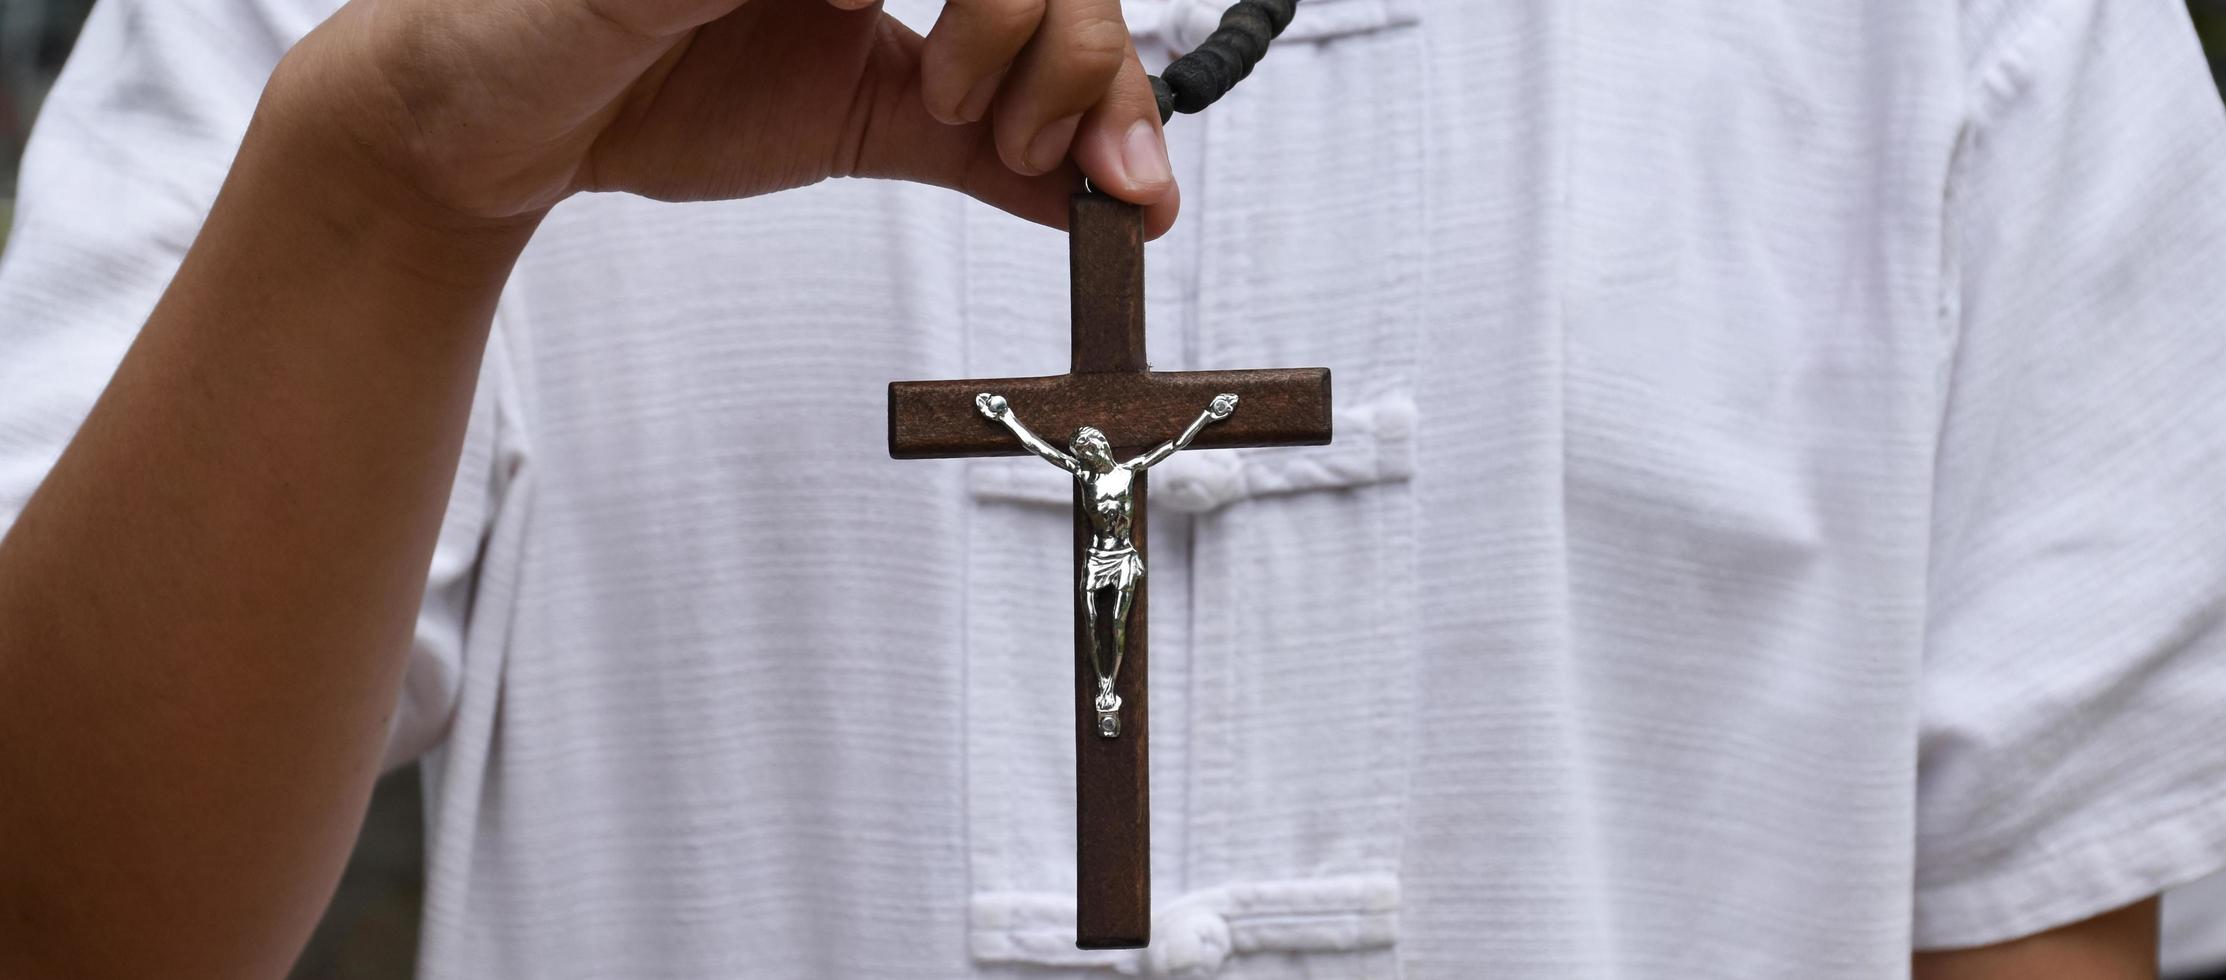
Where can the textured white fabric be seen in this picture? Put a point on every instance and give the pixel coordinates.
(1776, 519)
(2194, 929)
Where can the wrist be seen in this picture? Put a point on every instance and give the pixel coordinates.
(361, 213)
(317, 148)
(302, 234)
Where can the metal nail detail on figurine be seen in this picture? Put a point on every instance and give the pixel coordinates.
(1114, 566)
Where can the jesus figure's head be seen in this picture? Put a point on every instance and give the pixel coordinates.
(1090, 446)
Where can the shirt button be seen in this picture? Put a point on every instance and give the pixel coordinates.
(1188, 944)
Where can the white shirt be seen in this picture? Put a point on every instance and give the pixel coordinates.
(1774, 521)
(2193, 929)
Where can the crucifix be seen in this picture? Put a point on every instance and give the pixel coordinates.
(1114, 405)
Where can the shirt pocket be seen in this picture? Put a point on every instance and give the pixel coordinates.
(1303, 611)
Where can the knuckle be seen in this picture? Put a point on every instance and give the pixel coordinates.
(1095, 46)
(1012, 17)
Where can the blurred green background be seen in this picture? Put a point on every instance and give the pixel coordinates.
(2210, 22)
(371, 929)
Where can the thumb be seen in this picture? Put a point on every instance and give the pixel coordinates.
(894, 137)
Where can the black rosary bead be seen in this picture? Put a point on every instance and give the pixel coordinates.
(1200, 78)
(1195, 85)
(1221, 65)
(1248, 31)
(1279, 13)
(1165, 97)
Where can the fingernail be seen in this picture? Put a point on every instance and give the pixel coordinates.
(1050, 147)
(1144, 155)
(976, 103)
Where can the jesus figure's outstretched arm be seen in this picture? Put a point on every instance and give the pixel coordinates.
(1223, 406)
(995, 407)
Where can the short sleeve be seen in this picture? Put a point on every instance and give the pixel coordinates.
(125, 159)
(2072, 757)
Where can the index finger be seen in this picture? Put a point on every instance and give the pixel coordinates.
(1065, 70)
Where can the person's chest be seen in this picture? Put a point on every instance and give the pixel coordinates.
(1617, 297)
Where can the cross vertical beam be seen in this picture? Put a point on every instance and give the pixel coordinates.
(1113, 825)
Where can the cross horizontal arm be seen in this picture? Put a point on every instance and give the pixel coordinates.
(937, 419)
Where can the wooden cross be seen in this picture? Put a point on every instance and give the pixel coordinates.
(1112, 387)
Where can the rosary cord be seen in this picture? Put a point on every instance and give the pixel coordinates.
(1198, 79)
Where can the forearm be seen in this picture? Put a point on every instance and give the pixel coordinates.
(205, 609)
(2119, 945)
(1183, 441)
(1033, 442)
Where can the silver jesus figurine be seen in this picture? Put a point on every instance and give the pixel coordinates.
(1113, 564)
